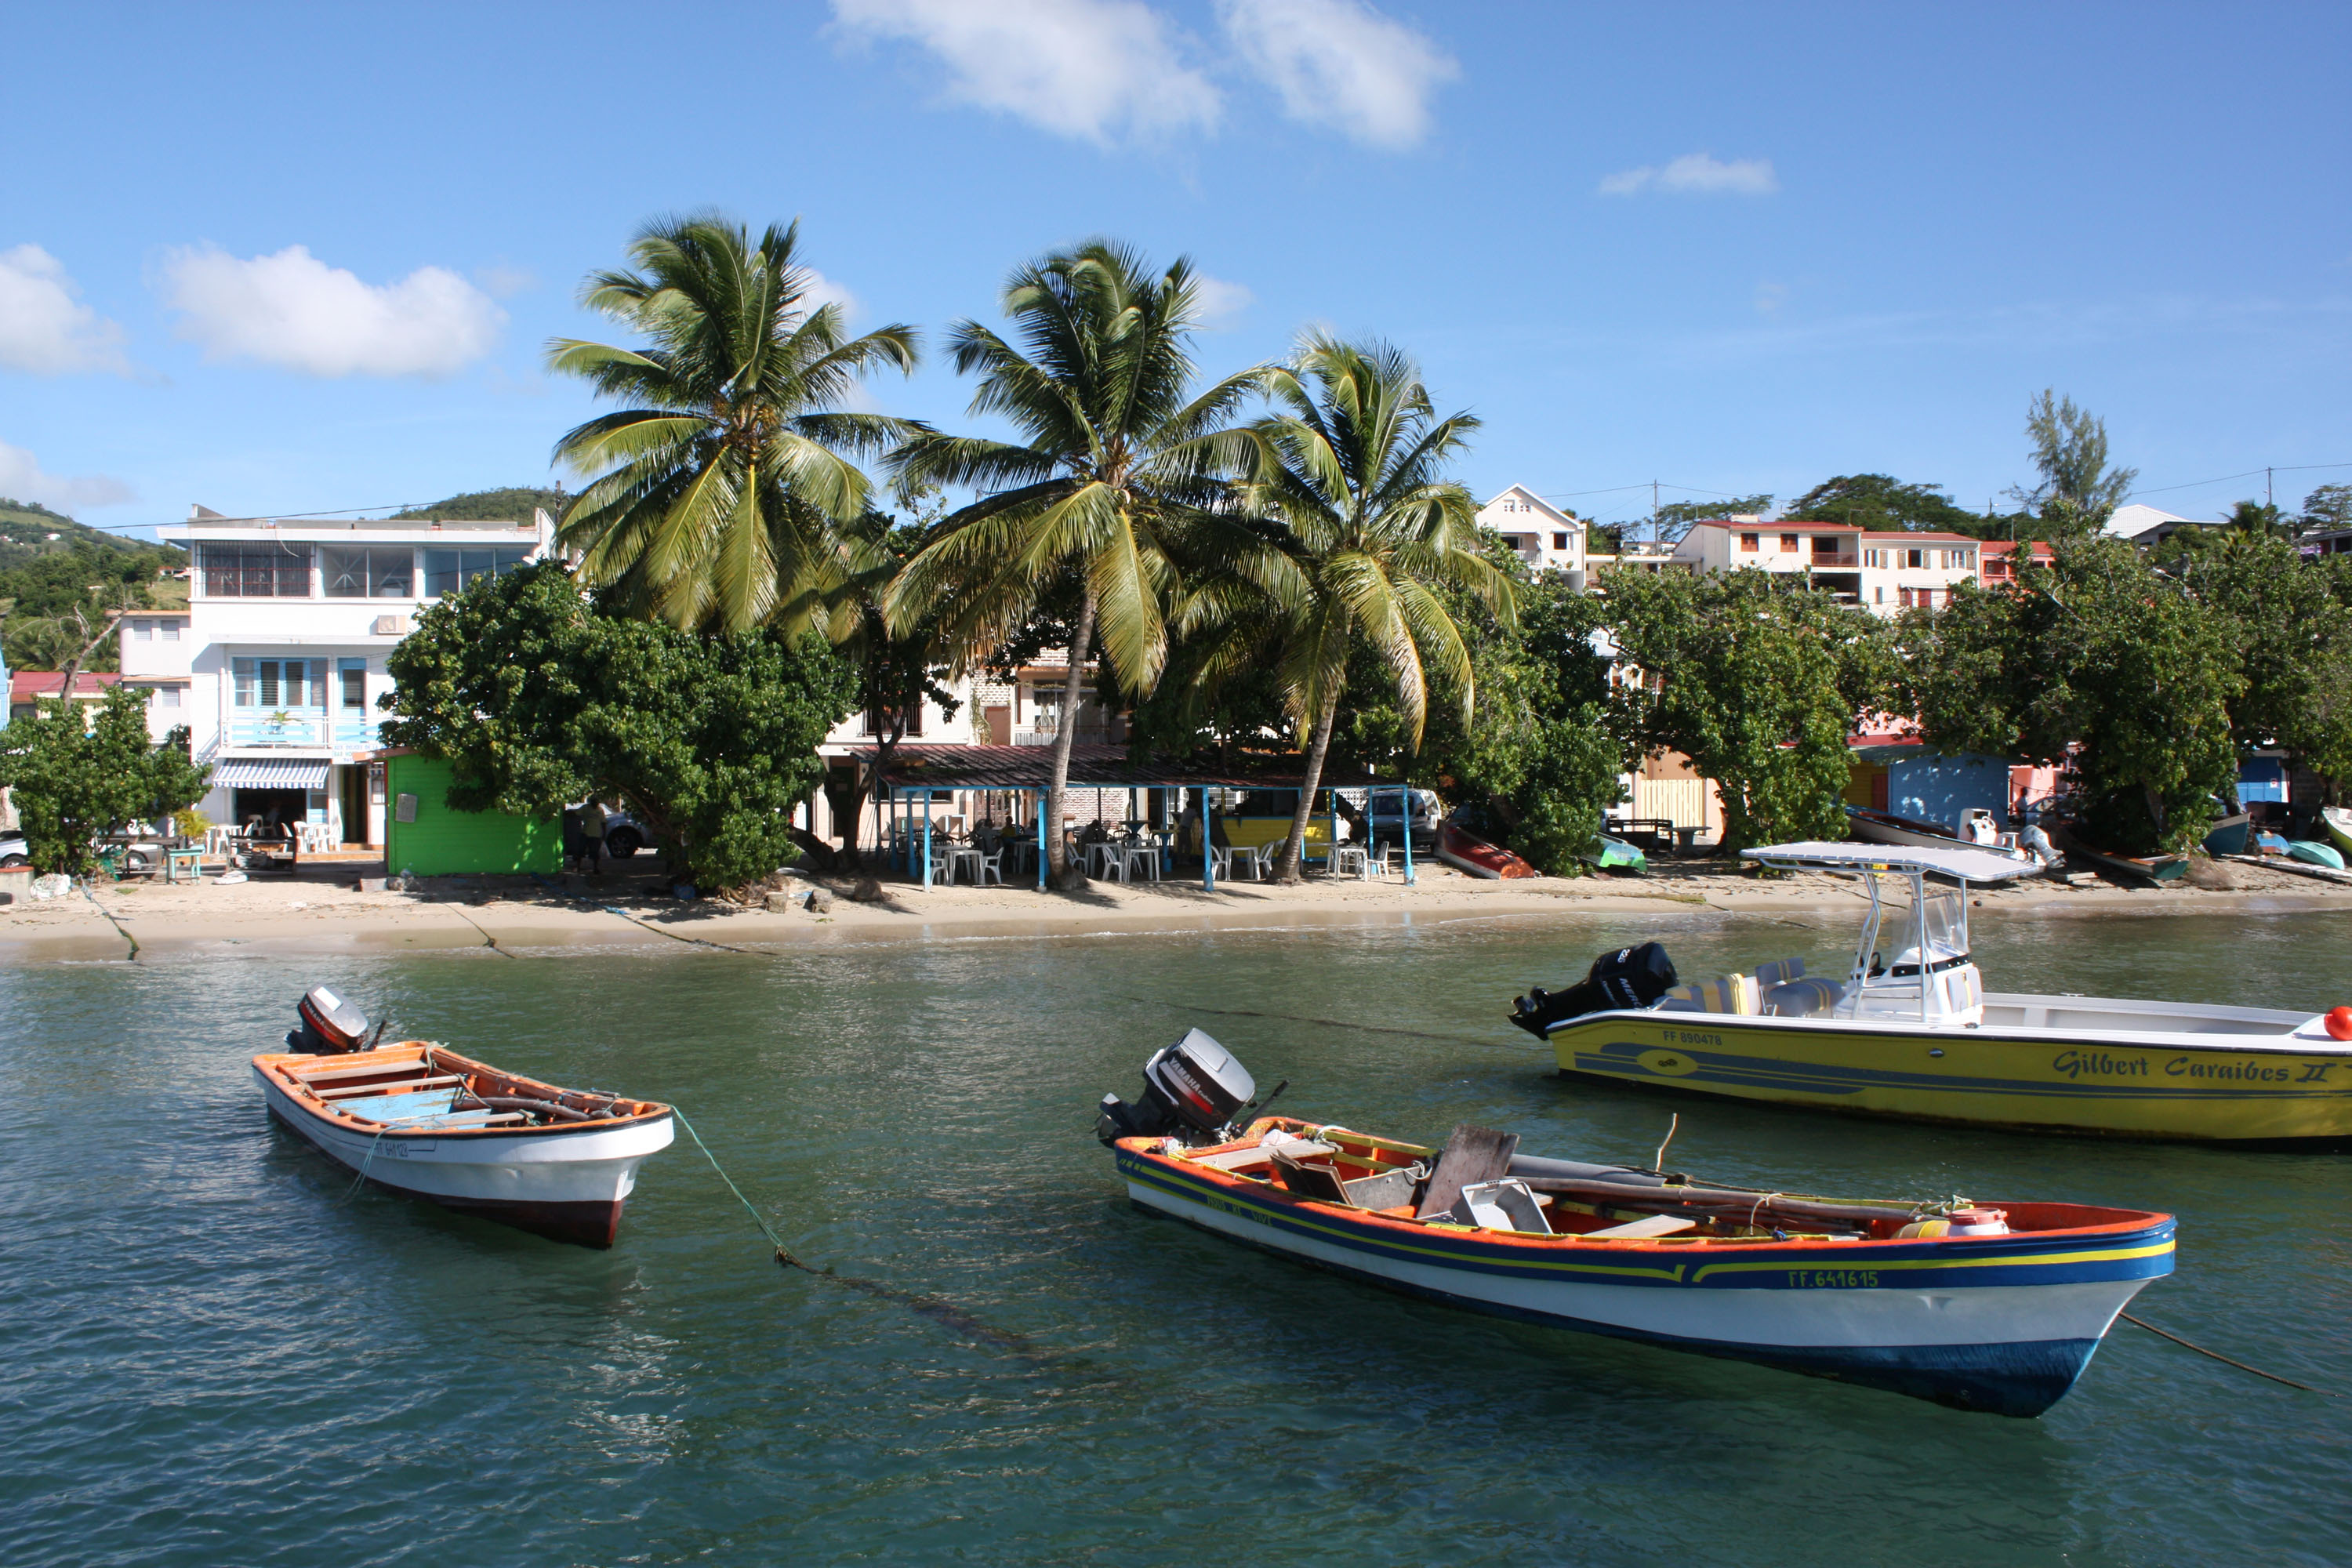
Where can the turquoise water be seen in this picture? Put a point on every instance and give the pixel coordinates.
(211, 1351)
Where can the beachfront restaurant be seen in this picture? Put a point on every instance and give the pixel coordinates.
(947, 814)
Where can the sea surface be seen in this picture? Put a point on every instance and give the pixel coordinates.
(213, 1351)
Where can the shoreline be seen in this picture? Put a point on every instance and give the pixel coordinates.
(321, 911)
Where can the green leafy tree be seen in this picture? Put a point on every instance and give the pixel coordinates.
(2257, 517)
(1351, 464)
(1758, 682)
(57, 607)
(2099, 664)
(2288, 625)
(80, 770)
(1116, 481)
(1884, 504)
(2078, 491)
(2329, 506)
(538, 699)
(720, 498)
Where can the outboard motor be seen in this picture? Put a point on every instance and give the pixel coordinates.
(330, 1024)
(1190, 1089)
(1629, 977)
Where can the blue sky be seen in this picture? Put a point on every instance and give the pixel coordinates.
(287, 260)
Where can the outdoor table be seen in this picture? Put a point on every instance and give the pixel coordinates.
(959, 858)
(1131, 856)
(1687, 840)
(183, 865)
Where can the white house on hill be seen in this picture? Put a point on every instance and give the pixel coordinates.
(1548, 539)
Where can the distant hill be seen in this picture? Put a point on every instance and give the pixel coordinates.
(491, 506)
(26, 527)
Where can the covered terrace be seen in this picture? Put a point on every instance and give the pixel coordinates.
(1005, 787)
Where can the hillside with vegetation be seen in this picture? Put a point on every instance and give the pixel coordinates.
(29, 529)
(490, 506)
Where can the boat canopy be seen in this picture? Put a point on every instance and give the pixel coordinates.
(1958, 861)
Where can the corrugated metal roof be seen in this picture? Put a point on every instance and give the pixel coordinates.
(270, 773)
(1091, 767)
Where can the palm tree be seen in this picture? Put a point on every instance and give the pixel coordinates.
(1116, 482)
(1349, 462)
(720, 497)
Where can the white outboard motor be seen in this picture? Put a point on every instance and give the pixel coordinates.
(1190, 1089)
(330, 1024)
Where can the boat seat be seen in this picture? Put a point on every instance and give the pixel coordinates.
(1321, 1183)
(1735, 994)
(1471, 1155)
(1507, 1205)
(393, 1109)
(1639, 1229)
(1803, 998)
(360, 1090)
(1780, 972)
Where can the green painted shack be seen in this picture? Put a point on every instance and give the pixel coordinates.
(423, 835)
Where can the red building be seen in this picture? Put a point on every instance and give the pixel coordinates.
(2000, 560)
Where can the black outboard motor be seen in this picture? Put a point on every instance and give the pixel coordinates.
(1190, 1089)
(330, 1024)
(1629, 977)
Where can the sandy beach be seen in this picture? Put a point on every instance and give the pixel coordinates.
(323, 909)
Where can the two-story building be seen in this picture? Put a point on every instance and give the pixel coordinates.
(278, 660)
(2000, 561)
(1883, 572)
(1548, 539)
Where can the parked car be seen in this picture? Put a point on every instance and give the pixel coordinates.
(625, 834)
(1385, 816)
(14, 851)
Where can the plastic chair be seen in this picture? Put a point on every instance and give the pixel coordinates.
(990, 865)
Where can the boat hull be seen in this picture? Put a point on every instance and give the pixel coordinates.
(2003, 1325)
(2231, 836)
(567, 1183)
(1467, 852)
(2067, 1073)
(2337, 824)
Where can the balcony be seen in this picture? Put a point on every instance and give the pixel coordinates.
(301, 730)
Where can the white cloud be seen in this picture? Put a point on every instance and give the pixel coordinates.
(1696, 173)
(1342, 64)
(294, 311)
(1220, 304)
(23, 478)
(823, 290)
(1094, 70)
(43, 326)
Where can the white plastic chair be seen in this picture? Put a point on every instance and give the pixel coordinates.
(990, 865)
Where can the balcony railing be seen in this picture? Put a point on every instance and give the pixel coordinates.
(310, 731)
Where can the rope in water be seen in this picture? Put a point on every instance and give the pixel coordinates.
(117, 924)
(488, 939)
(624, 915)
(1302, 1018)
(2217, 1356)
(783, 1254)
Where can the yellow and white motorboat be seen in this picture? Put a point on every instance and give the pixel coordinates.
(1920, 1037)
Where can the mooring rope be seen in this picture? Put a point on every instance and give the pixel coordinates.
(2217, 1356)
(488, 939)
(938, 1309)
(624, 915)
(117, 924)
(1302, 1018)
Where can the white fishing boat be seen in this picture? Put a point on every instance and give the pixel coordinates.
(1912, 1031)
(1986, 1307)
(418, 1117)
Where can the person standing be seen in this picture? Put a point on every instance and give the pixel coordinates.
(591, 833)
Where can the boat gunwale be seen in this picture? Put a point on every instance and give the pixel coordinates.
(1913, 1249)
(272, 1066)
(2285, 1044)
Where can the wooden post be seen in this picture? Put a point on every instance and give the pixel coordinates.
(1407, 818)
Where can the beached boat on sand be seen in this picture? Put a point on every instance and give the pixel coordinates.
(418, 1117)
(1991, 1306)
(1911, 1031)
(1467, 852)
(2131, 867)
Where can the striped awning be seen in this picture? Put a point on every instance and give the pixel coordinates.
(270, 773)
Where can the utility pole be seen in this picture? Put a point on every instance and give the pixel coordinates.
(2270, 491)
(1653, 512)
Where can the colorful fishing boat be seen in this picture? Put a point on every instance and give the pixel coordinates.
(1617, 858)
(1468, 852)
(1990, 1307)
(418, 1117)
(2337, 822)
(1912, 1032)
(2311, 852)
(2234, 835)
(2130, 867)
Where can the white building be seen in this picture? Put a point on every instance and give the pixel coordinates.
(1883, 573)
(278, 662)
(1548, 539)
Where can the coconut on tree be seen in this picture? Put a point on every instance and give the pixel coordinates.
(1115, 487)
